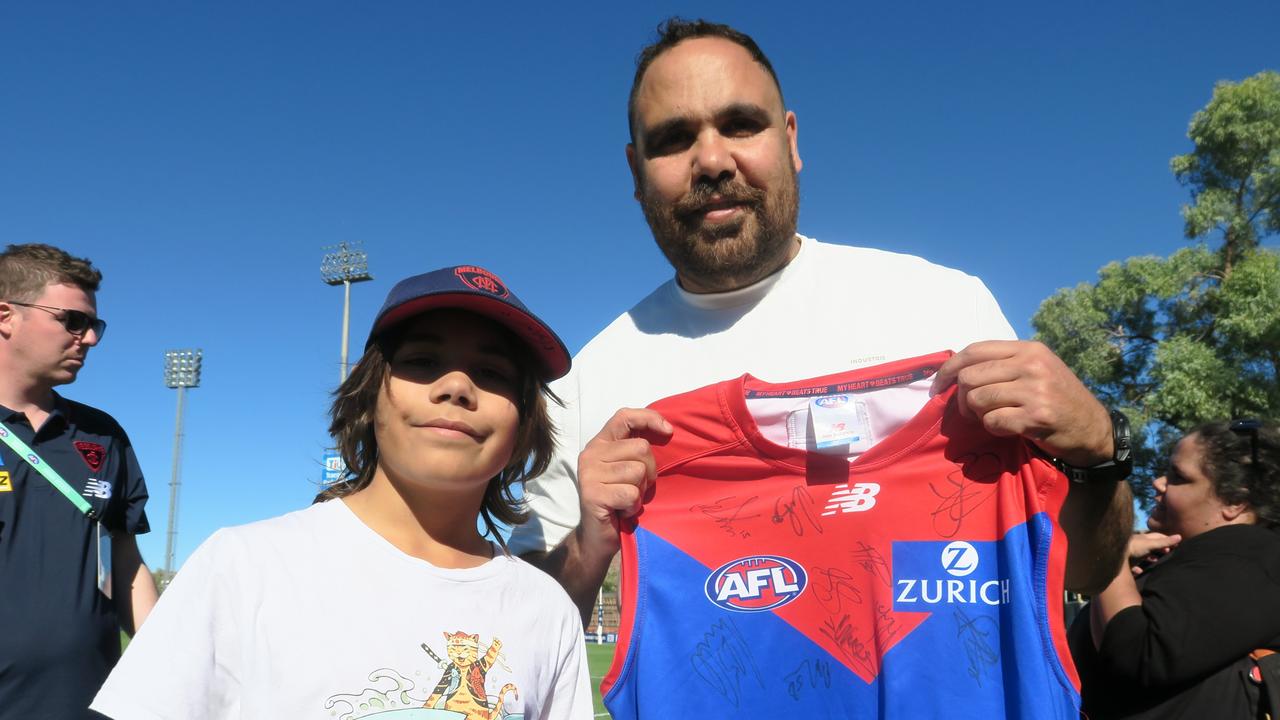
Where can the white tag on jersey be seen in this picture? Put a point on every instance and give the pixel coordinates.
(798, 429)
(840, 421)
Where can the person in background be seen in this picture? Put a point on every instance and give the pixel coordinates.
(72, 496)
(1170, 636)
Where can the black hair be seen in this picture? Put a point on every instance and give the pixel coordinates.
(675, 30)
(1244, 466)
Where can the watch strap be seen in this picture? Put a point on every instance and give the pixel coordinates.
(1119, 467)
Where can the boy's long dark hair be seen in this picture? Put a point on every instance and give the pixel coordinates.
(351, 421)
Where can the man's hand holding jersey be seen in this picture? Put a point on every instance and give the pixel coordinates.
(614, 471)
(1021, 388)
(1017, 387)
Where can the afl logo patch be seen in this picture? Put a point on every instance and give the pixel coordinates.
(756, 583)
(832, 401)
(482, 280)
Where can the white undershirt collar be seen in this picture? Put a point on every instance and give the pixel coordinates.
(750, 294)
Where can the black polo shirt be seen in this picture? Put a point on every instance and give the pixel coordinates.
(59, 636)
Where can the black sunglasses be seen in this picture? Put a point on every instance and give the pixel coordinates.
(76, 322)
(1249, 427)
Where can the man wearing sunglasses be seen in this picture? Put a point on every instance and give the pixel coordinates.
(70, 572)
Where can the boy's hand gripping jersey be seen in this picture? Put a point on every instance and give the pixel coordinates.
(921, 580)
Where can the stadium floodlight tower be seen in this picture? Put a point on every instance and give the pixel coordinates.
(343, 264)
(181, 371)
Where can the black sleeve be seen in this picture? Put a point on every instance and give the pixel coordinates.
(1194, 619)
(131, 518)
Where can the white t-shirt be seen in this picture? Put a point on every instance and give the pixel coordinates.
(832, 308)
(314, 615)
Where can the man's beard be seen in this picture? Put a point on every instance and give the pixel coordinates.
(726, 256)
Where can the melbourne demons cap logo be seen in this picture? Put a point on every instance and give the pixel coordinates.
(478, 278)
(756, 583)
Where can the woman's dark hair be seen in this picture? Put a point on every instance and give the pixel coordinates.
(1244, 465)
(351, 424)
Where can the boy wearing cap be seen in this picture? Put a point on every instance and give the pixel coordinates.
(384, 596)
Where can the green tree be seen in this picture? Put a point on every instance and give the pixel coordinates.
(1194, 337)
(1234, 171)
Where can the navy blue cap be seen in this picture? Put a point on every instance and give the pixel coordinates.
(476, 290)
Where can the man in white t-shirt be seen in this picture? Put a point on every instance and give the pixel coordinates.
(714, 158)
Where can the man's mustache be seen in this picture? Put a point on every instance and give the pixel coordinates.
(705, 194)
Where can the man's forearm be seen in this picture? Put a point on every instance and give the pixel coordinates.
(1098, 521)
(134, 588)
(580, 573)
(143, 597)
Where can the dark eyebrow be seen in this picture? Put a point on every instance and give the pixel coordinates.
(748, 111)
(655, 134)
(421, 336)
(497, 350)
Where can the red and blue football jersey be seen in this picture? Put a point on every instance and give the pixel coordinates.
(922, 579)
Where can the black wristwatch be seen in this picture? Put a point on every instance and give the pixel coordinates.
(1119, 467)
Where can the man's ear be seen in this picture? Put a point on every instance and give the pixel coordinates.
(633, 162)
(793, 141)
(6, 318)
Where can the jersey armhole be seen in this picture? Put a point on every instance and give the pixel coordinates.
(628, 599)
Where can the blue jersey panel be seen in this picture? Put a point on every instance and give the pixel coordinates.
(979, 654)
(690, 658)
(982, 650)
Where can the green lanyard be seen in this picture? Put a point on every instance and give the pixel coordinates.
(47, 471)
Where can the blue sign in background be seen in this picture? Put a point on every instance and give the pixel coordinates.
(334, 468)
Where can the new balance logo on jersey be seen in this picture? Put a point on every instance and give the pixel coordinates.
(858, 498)
(98, 489)
(955, 573)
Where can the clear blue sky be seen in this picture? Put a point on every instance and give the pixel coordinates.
(203, 154)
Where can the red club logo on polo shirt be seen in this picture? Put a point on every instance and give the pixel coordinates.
(92, 453)
(480, 279)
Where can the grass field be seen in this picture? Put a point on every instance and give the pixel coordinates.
(598, 659)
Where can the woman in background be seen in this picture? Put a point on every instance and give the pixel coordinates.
(1171, 638)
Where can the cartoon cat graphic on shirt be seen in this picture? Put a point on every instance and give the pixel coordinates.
(461, 687)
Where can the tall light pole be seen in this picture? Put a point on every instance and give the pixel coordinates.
(344, 264)
(181, 371)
